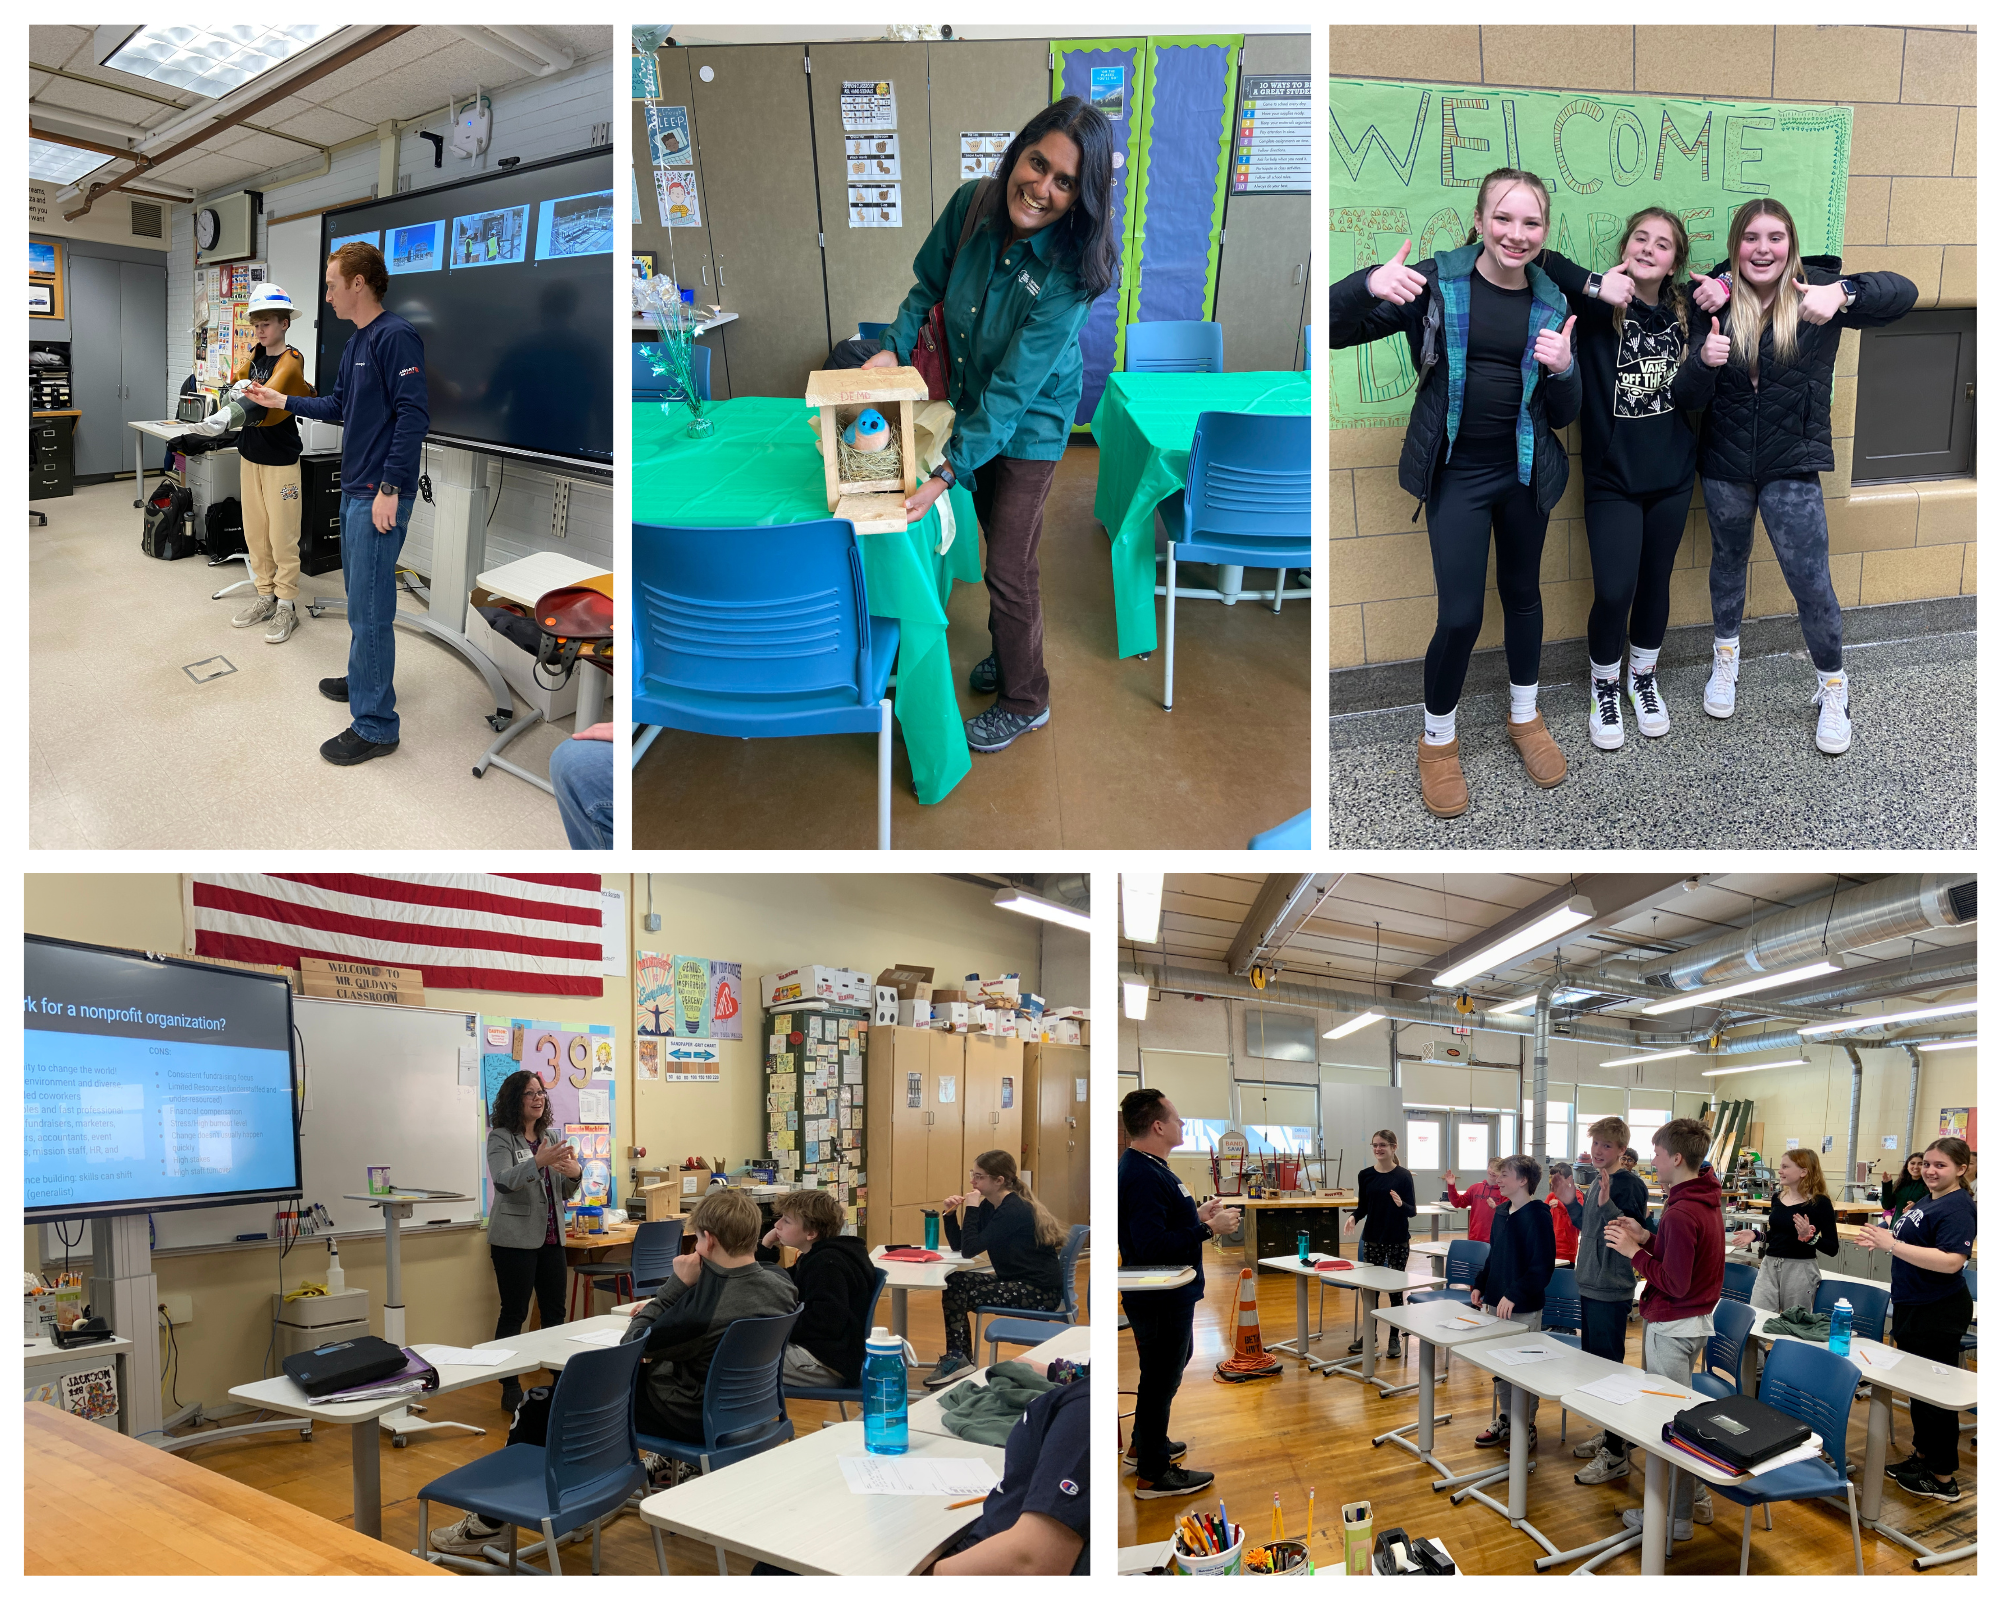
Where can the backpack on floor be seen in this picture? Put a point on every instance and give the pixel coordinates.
(531, 1418)
(165, 534)
(222, 531)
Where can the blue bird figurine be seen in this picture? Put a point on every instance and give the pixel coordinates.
(869, 431)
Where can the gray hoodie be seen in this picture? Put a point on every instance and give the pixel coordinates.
(682, 1324)
(1601, 1272)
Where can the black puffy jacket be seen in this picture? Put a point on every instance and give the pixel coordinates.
(1782, 427)
(1355, 317)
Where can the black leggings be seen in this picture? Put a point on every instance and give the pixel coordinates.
(1633, 542)
(1472, 499)
(521, 1273)
(1933, 1331)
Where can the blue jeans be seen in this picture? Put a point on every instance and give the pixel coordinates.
(1795, 523)
(368, 564)
(580, 769)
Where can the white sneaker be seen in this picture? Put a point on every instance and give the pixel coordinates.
(1647, 707)
(1636, 1520)
(1590, 1446)
(1719, 699)
(464, 1537)
(259, 610)
(1835, 733)
(1607, 725)
(283, 620)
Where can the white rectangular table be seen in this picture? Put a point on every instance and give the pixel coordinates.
(47, 1353)
(1432, 1325)
(1303, 1273)
(923, 1275)
(1371, 1283)
(791, 1506)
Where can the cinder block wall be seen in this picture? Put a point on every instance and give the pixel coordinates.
(1912, 208)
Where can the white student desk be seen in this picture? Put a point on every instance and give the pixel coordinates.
(1371, 1283)
(1149, 1280)
(907, 1275)
(1432, 1325)
(791, 1506)
(1303, 1273)
(1914, 1378)
(47, 1353)
(362, 1419)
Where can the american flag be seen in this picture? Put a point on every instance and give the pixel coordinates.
(520, 933)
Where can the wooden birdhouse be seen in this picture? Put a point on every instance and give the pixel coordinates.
(868, 475)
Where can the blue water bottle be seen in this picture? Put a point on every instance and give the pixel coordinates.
(1305, 1246)
(1841, 1339)
(885, 1396)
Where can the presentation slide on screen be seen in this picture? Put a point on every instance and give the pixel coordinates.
(133, 1092)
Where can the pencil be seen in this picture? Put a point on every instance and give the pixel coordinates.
(1277, 1516)
(1664, 1394)
(958, 1504)
(1309, 1515)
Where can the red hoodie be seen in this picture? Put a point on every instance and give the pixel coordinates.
(1483, 1199)
(1683, 1265)
(1565, 1229)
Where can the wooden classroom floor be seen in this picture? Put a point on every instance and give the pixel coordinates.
(315, 1474)
(1286, 1434)
(1111, 770)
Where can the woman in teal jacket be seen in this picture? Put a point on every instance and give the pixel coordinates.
(1015, 299)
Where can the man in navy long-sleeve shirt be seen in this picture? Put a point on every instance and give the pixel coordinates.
(379, 398)
(1159, 1225)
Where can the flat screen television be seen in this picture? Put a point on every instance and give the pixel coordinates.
(508, 279)
(153, 1084)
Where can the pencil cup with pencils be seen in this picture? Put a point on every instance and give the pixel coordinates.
(1199, 1552)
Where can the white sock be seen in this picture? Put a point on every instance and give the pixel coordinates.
(1728, 644)
(1838, 676)
(1440, 727)
(287, 603)
(1644, 660)
(1521, 701)
(1600, 673)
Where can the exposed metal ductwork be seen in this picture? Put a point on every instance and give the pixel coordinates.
(1894, 907)
(1853, 1118)
(1544, 996)
(1910, 1117)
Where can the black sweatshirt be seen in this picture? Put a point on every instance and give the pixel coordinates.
(1782, 1239)
(1636, 443)
(1385, 1222)
(835, 1280)
(1006, 1236)
(1521, 1260)
(1157, 1225)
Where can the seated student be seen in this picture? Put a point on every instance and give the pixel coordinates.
(1037, 1522)
(1023, 1240)
(1479, 1202)
(1562, 1176)
(580, 772)
(1681, 1262)
(1604, 1278)
(834, 1279)
(1514, 1281)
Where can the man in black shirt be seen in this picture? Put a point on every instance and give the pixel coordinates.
(1159, 1225)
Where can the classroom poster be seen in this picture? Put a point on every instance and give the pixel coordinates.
(1958, 1122)
(979, 154)
(873, 155)
(867, 107)
(1406, 160)
(1107, 92)
(680, 201)
(91, 1394)
(649, 1059)
(874, 205)
(687, 997)
(645, 76)
(592, 1143)
(1273, 136)
(667, 129)
(576, 1062)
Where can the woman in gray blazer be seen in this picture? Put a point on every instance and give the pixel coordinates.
(532, 1175)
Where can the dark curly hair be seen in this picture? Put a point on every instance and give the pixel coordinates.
(510, 1102)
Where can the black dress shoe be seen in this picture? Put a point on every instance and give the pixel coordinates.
(348, 749)
(333, 688)
(986, 676)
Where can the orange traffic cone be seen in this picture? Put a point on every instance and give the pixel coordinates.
(1250, 1360)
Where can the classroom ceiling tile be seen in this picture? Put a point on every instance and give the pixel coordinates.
(100, 102)
(60, 46)
(204, 171)
(423, 85)
(319, 123)
(581, 42)
(267, 152)
(401, 51)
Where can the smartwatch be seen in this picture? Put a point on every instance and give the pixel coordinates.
(1847, 289)
(388, 488)
(943, 470)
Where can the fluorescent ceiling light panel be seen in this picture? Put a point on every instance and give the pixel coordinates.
(1764, 980)
(1141, 892)
(1893, 1016)
(1355, 1026)
(1952, 1044)
(1634, 1061)
(1033, 905)
(1539, 932)
(1757, 1066)
(213, 61)
(1135, 1000)
(61, 163)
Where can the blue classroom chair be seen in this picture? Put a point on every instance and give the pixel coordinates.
(1738, 1279)
(1173, 347)
(650, 385)
(840, 1396)
(873, 330)
(1869, 1302)
(761, 633)
(1723, 1356)
(1025, 1327)
(654, 1247)
(1817, 1387)
(1294, 833)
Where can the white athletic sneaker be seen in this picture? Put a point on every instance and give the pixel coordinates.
(465, 1537)
(1648, 708)
(1719, 699)
(259, 610)
(1636, 1521)
(1835, 733)
(283, 620)
(1607, 726)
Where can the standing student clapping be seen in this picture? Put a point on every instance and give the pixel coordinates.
(1385, 1198)
(1800, 1231)
(1605, 1282)
(1514, 1281)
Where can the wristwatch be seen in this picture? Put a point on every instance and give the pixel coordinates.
(943, 470)
(1847, 289)
(1590, 284)
(388, 488)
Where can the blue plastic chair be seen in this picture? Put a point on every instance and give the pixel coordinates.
(1309, 347)
(1817, 1387)
(1969, 1340)
(743, 1401)
(1870, 1304)
(650, 385)
(874, 330)
(1462, 1260)
(1562, 1305)
(761, 633)
(1248, 502)
(1294, 833)
(1738, 1279)
(1027, 1327)
(654, 1247)
(587, 1470)
(1723, 1356)
(1173, 347)
(840, 1396)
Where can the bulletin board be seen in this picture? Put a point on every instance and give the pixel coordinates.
(578, 1063)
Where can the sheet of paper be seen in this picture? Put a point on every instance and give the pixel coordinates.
(1876, 1360)
(1526, 1354)
(958, 1476)
(461, 1355)
(598, 1336)
(1619, 1387)
(593, 1105)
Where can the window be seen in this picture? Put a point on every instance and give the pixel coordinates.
(1559, 1113)
(1507, 1147)
(1645, 1122)
(1278, 1139)
(1424, 1134)
(1473, 1139)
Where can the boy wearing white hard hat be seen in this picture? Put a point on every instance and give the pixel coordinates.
(269, 446)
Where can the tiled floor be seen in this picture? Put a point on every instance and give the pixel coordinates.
(1112, 769)
(128, 751)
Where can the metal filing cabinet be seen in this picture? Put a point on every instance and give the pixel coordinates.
(51, 464)
(319, 514)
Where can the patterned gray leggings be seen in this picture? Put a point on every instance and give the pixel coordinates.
(1795, 522)
(964, 1290)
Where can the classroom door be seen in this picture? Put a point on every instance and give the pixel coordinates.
(142, 341)
(980, 86)
(869, 268)
(1261, 282)
(753, 129)
(97, 367)
(992, 1096)
(1473, 1140)
(947, 1130)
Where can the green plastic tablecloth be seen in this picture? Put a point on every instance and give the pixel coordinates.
(761, 467)
(1144, 425)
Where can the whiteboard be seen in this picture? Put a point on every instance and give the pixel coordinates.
(381, 1086)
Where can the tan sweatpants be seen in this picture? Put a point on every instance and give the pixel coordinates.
(271, 508)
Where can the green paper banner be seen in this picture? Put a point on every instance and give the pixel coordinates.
(1406, 160)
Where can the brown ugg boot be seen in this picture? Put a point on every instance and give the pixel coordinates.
(1538, 750)
(1444, 783)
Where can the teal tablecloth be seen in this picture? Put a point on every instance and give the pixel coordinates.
(1144, 426)
(761, 468)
